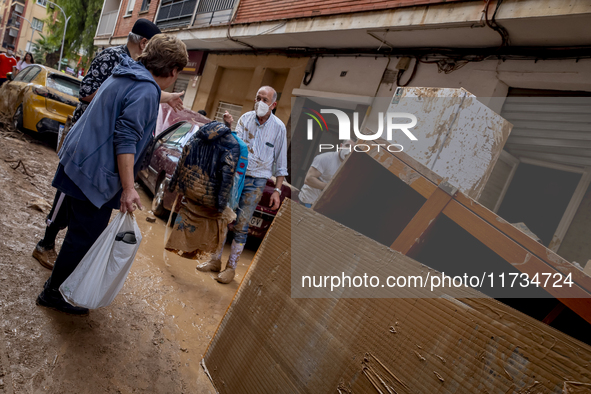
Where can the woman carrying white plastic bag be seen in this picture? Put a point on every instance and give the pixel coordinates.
(101, 155)
(102, 272)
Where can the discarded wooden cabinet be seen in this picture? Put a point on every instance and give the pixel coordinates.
(414, 211)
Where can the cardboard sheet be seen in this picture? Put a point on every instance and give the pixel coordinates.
(269, 342)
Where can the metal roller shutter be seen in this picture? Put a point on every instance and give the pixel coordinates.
(550, 126)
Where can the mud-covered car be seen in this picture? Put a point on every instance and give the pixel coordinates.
(159, 165)
(39, 98)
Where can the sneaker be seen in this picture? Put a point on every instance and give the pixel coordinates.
(46, 257)
(211, 265)
(226, 276)
(54, 300)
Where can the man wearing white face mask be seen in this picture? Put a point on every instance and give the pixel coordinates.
(265, 136)
(323, 168)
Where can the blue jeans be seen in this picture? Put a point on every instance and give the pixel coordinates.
(251, 195)
(307, 205)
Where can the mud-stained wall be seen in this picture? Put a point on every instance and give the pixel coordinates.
(576, 245)
(235, 79)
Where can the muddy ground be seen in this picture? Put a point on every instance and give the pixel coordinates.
(150, 340)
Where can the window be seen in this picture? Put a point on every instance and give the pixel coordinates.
(65, 85)
(30, 47)
(37, 24)
(234, 110)
(175, 13)
(42, 3)
(145, 6)
(180, 85)
(21, 75)
(130, 5)
(33, 72)
(177, 135)
(212, 12)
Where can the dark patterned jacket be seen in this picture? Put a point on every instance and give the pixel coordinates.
(205, 171)
(100, 69)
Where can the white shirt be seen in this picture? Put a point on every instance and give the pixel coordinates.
(267, 145)
(327, 164)
(21, 64)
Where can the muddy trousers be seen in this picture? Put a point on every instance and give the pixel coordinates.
(57, 220)
(249, 199)
(85, 224)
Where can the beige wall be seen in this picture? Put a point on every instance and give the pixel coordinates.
(33, 10)
(235, 79)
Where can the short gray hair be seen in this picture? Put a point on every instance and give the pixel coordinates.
(273, 90)
(134, 38)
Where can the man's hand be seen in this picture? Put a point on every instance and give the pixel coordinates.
(129, 197)
(228, 119)
(174, 100)
(275, 201)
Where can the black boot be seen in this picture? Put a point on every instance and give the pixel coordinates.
(53, 299)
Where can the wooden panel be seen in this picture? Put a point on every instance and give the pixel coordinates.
(421, 221)
(517, 248)
(411, 170)
(517, 256)
(537, 249)
(405, 172)
(554, 313)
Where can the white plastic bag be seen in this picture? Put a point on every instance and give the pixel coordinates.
(102, 271)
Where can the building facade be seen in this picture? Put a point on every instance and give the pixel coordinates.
(513, 55)
(22, 22)
(220, 82)
(35, 13)
(12, 22)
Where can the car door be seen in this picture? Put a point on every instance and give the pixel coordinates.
(165, 153)
(172, 148)
(155, 143)
(31, 98)
(12, 91)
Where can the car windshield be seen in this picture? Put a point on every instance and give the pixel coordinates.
(65, 85)
(176, 136)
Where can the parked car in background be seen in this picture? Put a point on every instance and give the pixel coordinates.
(159, 165)
(39, 98)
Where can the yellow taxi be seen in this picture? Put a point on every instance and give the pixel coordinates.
(39, 98)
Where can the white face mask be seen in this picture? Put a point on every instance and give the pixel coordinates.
(261, 108)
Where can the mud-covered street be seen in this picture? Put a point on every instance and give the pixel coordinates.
(150, 340)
